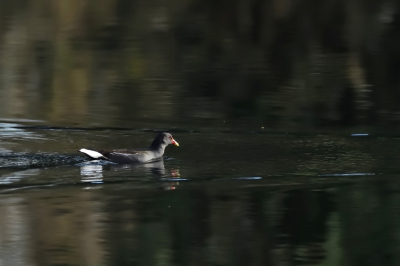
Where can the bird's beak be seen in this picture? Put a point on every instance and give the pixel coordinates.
(175, 143)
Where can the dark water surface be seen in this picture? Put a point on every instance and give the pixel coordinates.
(231, 80)
(221, 198)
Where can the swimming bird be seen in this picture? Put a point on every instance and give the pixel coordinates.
(154, 152)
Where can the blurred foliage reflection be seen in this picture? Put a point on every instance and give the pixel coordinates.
(201, 225)
(276, 62)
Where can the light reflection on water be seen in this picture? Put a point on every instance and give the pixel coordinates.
(10, 130)
(16, 177)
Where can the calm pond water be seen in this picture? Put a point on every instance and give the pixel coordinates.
(221, 198)
(251, 91)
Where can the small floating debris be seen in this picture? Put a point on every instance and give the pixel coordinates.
(248, 178)
(239, 178)
(359, 135)
(349, 174)
(95, 182)
(173, 179)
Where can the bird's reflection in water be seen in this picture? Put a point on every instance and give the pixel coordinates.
(92, 171)
(172, 185)
(156, 168)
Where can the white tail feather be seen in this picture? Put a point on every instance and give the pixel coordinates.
(92, 154)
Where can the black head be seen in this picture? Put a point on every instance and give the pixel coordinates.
(163, 138)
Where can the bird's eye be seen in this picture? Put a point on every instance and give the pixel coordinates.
(170, 137)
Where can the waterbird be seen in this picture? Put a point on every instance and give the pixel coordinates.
(154, 152)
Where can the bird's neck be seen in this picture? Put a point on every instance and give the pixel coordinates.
(158, 148)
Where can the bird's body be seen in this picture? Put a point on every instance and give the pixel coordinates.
(154, 152)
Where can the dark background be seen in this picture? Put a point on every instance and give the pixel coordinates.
(269, 63)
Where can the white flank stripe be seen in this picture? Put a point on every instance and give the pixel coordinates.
(92, 154)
